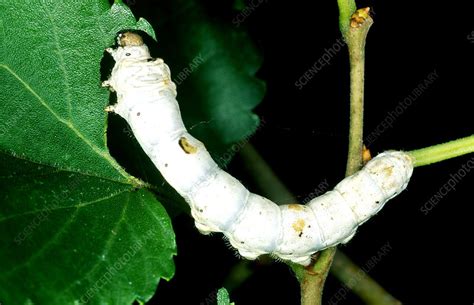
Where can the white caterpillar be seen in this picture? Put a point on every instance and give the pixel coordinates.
(146, 99)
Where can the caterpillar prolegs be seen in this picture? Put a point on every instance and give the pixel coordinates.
(254, 225)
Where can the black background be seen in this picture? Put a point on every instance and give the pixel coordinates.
(305, 141)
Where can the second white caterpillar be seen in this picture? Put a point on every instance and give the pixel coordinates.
(254, 225)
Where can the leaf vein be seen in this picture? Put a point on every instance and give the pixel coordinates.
(107, 246)
(57, 208)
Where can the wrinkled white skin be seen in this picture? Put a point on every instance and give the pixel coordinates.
(254, 225)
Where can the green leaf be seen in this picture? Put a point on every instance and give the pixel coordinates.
(223, 297)
(74, 226)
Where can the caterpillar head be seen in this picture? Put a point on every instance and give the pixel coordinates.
(130, 48)
(129, 39)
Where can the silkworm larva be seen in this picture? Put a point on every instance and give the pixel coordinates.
(254, 225)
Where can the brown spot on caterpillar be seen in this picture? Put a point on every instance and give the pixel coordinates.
(359, 17)
(186, 146)
(295, 207)
(388, 171)
(298, 226)
(129, 39)
(138, 113)
(392, 185)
